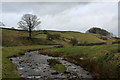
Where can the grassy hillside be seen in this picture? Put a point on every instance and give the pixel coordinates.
(102, 61)
(20, 38)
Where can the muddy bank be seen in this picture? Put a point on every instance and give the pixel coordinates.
(34, 65)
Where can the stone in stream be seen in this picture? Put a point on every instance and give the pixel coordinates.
(11, 59)
(74, 70)
(69, 65)
(66, 72)
(43, 71)
(30, 77)
(38, 77)
(45, 68)
(36, 64)
(87, 73)
(20, 68)
(25, 71)
(33, 68)
(22, 76)
(30, 65)
(37, 70)
(54, 73)
(74, 76)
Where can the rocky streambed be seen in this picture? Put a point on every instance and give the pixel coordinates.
(33, 65)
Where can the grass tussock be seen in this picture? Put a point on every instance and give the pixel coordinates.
(56, 65)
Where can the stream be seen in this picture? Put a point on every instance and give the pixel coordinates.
(33, 65)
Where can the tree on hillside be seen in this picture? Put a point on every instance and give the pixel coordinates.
(29, 22)
(99, 31)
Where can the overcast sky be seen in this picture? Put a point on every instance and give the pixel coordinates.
(72, 16)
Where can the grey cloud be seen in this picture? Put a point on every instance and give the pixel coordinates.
(65, 16)
(41, 8)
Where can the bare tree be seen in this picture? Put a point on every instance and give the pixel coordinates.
(1, 24)
(29, 22)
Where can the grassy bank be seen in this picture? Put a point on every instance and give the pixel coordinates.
(102, 61)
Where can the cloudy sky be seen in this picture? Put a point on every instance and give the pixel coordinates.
(69, 16)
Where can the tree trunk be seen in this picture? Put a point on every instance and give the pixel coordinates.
(30, 33)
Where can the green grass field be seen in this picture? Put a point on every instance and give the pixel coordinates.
(101, 60)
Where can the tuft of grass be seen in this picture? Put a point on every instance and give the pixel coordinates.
(56, 65)
(60, 68)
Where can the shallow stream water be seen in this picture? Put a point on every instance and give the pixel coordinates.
(34, 65)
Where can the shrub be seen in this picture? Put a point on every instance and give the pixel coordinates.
(49, 37)
(103, 38)
(56, 36)
(53, 36)
(85, 42)
(45, 32)
(74, 41)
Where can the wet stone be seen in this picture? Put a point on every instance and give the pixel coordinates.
(54, 73)
(87, 73)
(66, 72)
